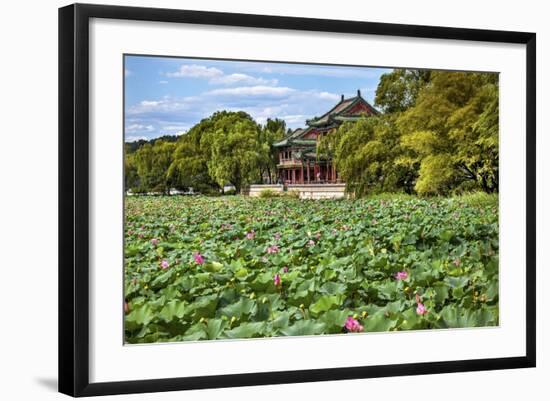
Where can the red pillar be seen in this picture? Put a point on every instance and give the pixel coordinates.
(308, 171)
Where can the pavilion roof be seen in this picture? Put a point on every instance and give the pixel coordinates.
(330, 119)
(340, 110)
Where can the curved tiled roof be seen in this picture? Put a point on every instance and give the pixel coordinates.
(333, 117)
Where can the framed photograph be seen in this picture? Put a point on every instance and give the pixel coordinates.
(251, 199)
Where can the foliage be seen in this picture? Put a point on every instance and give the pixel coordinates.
(272, 132)
(199, 268)
(397, 91)
(146, 168)
(451, 133)
(268, 193)
(478, 199)
(224, 148)
(439, 135)
(234, 151)
(365, 154)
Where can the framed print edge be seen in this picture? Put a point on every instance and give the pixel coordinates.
(73, 279)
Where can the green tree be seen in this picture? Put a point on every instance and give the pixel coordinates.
(235, 151)
(189, 165)
(451, 133)
(152, 163)
(397, 91)
(364, 152)
(131, 177)
(272, 132)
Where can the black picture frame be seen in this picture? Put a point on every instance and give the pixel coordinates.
(74, 194)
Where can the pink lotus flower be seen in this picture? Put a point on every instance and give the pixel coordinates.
(164, 264)
(310, 242)
(353, 326)
(273, 249)
(199, 259)
(277, 236)
(421, 309)
(154, 241)
(250, 235)
(277, 280)
(402, 275)
(285, 269)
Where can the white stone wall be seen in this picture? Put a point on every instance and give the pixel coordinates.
(306, 191)
(319, 191)
(255, 190)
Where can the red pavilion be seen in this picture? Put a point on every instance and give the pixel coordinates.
(298, 161)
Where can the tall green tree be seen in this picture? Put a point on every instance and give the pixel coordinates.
(398, 90)
(273, 131)
(365, 152)
(451, 133)
(152, 163)
(235, 151)
(189, 166)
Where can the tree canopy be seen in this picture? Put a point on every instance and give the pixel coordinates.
(438, 134)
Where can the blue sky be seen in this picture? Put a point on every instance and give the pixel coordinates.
(167, 96)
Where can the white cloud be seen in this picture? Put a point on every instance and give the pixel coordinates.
(135, 128)
(134, 138)
(295, 119)
(150, 103)
(163, 82)
(242, 79)
(315, 70)
(195, 71)
(175, 128)
(258, 90)
(173, 115)
(166, 104)
(215, 76)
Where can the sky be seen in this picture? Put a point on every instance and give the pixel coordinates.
(167, 96)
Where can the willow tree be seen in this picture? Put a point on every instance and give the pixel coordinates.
(272, 132)
(235, 152)
(151, 163)
(364, 153)
(451, 133)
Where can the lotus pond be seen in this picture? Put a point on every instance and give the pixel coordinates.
(206, 268)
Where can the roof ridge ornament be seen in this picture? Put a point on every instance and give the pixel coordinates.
(358, 92)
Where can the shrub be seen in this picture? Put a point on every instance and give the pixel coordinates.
(391, 196)
(478, 199)
(268, 193)
(294, 194)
